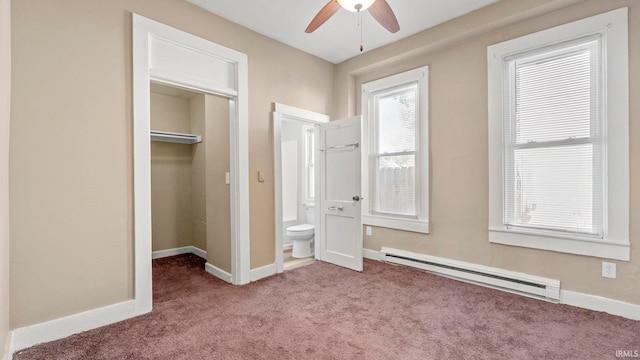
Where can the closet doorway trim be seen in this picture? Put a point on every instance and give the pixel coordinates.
(167, 55)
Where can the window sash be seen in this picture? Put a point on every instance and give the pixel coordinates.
(413, 214)
(514, 191)
(376, 153)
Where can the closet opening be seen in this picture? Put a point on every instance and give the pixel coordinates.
(190, 167)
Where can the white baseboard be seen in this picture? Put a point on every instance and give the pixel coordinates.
(217, 272)
(179, 251)
(599, 303)
(263, 272)
(28, 336)
(371, 254)
(199, 252)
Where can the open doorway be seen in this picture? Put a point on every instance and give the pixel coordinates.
(166, 55)
(296, 175)
(190, 192)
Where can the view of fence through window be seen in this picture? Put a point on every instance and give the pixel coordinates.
(395, 151)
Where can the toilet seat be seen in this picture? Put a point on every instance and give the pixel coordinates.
(301, 230)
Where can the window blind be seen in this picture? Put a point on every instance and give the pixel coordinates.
(553, 139)
(395, 151)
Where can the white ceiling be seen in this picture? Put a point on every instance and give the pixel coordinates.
(338, 39)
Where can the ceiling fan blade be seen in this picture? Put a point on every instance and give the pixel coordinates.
(323, 15)
(381, 11)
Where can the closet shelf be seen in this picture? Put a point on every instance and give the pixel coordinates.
(172, 137)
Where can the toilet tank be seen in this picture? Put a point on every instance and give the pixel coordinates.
(310, 213)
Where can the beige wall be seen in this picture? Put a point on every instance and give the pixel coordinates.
(456, 55)
(171, 175)
(71, 144)
(71, 200)
(190, 200)
(218, 201)
(190, 203)
(5, 102)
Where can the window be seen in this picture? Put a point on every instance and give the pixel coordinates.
(558, 100)
(309, 165)
(553, 139)
(396, 142)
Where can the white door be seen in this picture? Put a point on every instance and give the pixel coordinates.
(340, 185)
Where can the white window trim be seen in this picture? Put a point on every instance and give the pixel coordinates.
(615, 244)
(308, 149)
(421, 224)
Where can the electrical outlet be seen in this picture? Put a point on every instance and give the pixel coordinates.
(608, 270)
(368, 230)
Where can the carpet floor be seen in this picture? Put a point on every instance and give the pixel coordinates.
(322, 311)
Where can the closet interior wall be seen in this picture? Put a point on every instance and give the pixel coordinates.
(190, 198)
(177, 218)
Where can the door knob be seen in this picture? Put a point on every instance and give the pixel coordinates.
(357, 198)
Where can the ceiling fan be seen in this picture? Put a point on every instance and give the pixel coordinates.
(379, 9)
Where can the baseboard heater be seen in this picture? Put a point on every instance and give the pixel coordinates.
(510, 281)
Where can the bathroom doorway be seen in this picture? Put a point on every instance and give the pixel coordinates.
(296, 184)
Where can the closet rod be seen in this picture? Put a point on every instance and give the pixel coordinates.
(172, 137)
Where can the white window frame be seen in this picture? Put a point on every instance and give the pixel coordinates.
(612, 27)
(309, 141)
(419, 223)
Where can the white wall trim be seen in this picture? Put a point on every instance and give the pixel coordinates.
(179, 251)
(294, 113)
(371, 254)
(286, 112)
(211, 69)
(559, 243)
(419, 226)
(613, 27)
(263, 272)
(170, 252)
(599, 303)
(27, 336)
(217, 272)
(199, 252)
(368, 92)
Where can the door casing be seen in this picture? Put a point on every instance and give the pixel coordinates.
(170, 56)
(285, 112)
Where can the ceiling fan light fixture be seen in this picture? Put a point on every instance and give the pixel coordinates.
(356, 5)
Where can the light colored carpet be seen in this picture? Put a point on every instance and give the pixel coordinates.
(322, 311)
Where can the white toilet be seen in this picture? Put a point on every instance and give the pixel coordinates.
(302, 236)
